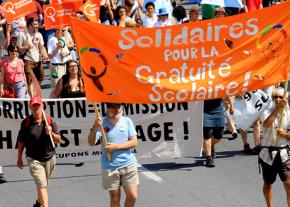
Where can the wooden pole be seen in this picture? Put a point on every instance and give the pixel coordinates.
(104, 139)
(46, 123)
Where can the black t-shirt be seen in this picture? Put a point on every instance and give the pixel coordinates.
(213, 106)
(67, 93)
(37, 143)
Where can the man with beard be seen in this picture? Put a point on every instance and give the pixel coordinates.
(121, 170)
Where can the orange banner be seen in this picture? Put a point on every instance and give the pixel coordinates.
(58, 15)
(196, 61)
(62, 1)
(14, 9)
(91, 10)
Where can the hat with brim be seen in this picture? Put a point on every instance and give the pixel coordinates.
(220, 9)
(162, 11)
(36, 100)
(194, 8)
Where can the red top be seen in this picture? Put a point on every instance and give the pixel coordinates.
(11, 73)
(254, 5)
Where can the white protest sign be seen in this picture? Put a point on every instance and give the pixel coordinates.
(163, 130)
(250, 108)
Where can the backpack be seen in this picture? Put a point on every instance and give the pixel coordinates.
(28, 120)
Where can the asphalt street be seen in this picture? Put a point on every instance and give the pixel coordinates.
(234, 182)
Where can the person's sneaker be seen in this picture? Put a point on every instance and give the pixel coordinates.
(37, 204)
(209, 162)
(234, 136)
(247, 148)
(2, 179)
(257, 149)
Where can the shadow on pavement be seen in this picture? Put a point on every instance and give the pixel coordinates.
(172, 166)
(56, 178)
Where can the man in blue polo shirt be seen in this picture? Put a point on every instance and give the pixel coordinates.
(121, 170)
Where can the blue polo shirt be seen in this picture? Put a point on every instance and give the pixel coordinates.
(121, 132)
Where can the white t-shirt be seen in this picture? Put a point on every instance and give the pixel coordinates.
(149, 22)
(270, 136)
(36, 40)
(162, 24)
(51, 45)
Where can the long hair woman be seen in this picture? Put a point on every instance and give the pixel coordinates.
(71, 85)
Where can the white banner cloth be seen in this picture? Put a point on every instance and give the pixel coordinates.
(163, 130)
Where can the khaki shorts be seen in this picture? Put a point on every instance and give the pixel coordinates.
(60, 70)
(41, 171)
(127, 176)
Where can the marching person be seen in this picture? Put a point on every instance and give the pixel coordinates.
(34, 135)
(162, 18)
(30, 44)
(13, 82)
(274, 157)
(57, 52)
(193, 14)
(122, 169)
(150, 17)
(213, 126)
(71, 85)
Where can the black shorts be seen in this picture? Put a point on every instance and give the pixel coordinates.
(213, 132)
(270, 171)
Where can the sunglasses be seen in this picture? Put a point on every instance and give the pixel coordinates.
(276, 97)
(116, 106)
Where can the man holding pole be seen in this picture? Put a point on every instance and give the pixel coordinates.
(37, 134)
(274, 158)
(119, 164)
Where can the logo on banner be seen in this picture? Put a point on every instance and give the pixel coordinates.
(89, 10)
(93, 74)
(9, 7)
(50, 13)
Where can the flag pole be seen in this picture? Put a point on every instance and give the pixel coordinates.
(37, 92)
(104, 139)
(46, 123)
